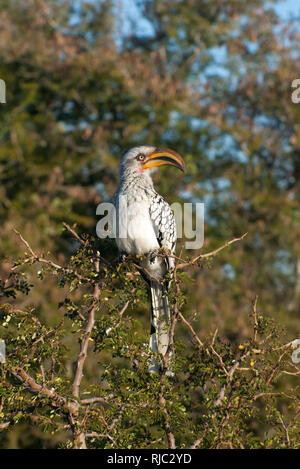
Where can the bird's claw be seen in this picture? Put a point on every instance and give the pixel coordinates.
(153, 256)
(122, 257)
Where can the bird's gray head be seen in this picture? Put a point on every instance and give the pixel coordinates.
(144, 159)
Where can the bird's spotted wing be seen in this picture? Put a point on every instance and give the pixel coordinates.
(163, 222)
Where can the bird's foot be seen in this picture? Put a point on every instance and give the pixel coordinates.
(153, 256)
(122, 257)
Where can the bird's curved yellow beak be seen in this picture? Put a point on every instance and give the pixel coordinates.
(164, 156)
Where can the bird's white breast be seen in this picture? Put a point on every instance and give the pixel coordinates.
(135, 233)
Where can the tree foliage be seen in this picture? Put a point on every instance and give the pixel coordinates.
(222, 395)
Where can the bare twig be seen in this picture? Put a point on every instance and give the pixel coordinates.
(121, 313)
(286, 430)
(86, 337)
(4, 425)
(94, 400)
(208, 254)
(56, 400)
(76, 235)
(196, 443)
(195, 336)
(229, 374)
(36, 258)
(70, 407)
(82, 241)
(255, 318)
(165, 367)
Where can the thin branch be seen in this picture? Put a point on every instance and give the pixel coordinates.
(166, 362)
(255, 318)
(195, 336)
(86, 337)
(285, 427)
(76, 235)
(71, 407)
(82, 241)
(94, 400)
(56, 400)
(36, 258)
(208, 254)
(4, 425)
(229, 374)
(121, 313)
(197, 443)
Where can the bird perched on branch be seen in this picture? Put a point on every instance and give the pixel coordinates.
(144, 224)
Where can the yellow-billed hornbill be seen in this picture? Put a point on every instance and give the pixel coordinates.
(145, 223)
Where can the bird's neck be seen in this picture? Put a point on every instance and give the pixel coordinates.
(142, 180)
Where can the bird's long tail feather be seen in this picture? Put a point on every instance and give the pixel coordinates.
(160, 326)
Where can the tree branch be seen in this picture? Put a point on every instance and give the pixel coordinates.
(208, 254)
(86, 337)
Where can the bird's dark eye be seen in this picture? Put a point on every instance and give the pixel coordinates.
(140, 157)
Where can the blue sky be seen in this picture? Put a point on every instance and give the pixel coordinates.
(288, 8)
